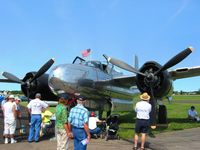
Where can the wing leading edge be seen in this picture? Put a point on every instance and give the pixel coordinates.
(186, 72)
(179, 73)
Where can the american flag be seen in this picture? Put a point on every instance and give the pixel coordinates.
(86, 52)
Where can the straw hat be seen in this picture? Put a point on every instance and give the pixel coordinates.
(144, 96)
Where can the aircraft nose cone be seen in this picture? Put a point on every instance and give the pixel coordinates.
(64, 78)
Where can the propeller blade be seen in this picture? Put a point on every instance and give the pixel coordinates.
(43, 69)
(176, 59)
(153, 112)
(12, 77)
(123, 65)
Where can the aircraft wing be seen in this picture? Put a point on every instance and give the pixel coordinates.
(179, 73)
(186, 72)
(125, 81)
(122, 81)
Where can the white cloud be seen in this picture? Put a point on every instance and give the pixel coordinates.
(180, 9)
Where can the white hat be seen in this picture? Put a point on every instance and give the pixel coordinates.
(11, 96)
(17, 98)
(38, 95)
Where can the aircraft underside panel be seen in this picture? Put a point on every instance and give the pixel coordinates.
(121, 105)
(102, 104)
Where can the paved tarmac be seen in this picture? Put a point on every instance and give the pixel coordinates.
(179, 140)
(187, 139)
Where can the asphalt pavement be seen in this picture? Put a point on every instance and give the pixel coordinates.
(179, 140)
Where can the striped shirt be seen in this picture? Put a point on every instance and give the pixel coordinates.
(78, 116)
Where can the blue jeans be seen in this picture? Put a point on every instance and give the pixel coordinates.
(79, 135)
(97, 130)
(34, 131)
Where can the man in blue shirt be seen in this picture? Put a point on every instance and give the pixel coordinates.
(78, 123)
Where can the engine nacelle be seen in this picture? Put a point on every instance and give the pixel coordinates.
(40, 85)
(161, 82)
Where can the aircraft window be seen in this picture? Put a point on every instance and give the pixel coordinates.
(90, 64)
(94, 64)
(104, 67)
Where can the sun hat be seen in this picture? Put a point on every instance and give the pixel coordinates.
(144, 96)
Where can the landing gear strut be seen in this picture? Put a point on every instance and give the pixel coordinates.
(162, 114)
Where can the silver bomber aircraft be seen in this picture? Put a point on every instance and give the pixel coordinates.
(105, 88)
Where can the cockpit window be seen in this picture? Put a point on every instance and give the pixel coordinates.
(95, 64)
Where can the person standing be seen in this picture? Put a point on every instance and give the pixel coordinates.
(61, 126)
(78, 123)
(9, 111)
(35, 107)
(142, 109)
(17, 105)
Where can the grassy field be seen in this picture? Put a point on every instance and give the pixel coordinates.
(177, 116)
(186, 97)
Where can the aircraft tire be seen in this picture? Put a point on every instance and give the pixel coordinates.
(162, 114)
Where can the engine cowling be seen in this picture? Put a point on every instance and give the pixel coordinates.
(39, 85)
(161, 82)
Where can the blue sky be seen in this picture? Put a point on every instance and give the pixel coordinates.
(32, 32)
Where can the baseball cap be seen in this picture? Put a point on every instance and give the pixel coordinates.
(81, 98)
(92, 114)
(37, 95)
(64, 95)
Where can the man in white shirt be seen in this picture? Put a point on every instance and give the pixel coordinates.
(9, 112)
(142, 109)
(35, 107)
(92, 123)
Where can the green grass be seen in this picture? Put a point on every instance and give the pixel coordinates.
(186, 97)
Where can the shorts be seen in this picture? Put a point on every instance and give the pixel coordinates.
(9, 127)
(141, 126)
